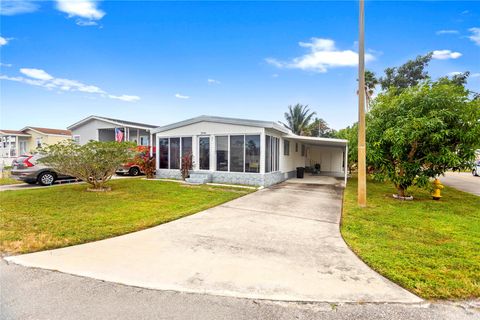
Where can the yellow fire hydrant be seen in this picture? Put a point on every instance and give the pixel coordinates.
(437, 187)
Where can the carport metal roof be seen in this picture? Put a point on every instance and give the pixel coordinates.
(318, 141)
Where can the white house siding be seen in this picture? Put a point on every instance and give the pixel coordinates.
(329, 158)
(89, 130)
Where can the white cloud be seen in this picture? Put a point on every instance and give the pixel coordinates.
(86, 9)
(475, 75)
(323, 55)
(14, 7)
(3, 41)
(39, 77)
(447, 32)
(36, 73)
(179, 96)
(475, 37)
(86, 23)
(5, 64)
(125, 97)
(275, 75)
(445, 54)
(454, 73)
(213, 81)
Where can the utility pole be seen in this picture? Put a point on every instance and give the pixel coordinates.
(362, 167)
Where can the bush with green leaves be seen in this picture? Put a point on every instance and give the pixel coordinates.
(94, 162)
(421, 132)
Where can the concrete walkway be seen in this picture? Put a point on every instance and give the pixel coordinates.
(464, 181)
(280, 243)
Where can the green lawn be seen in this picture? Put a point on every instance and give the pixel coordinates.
(7, 181)
(39, 219)
(431, 248)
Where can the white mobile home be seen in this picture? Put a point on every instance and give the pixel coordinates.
(105, 129)
(227, 150)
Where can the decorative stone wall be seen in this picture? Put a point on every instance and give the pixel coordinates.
(274, 178)
(253, 179)
(168, 174)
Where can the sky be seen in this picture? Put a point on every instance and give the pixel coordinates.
(160, 62)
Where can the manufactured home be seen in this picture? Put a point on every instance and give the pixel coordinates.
(239, 151)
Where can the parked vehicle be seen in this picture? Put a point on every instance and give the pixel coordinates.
(476, 168)
(27, 168)
(132, 168)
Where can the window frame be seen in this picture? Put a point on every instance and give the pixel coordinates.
(169, 149)
(209, 152)
(286, 147)
(274, 153)
(229, 151)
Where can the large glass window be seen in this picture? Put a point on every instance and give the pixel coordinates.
(163, 144)
(252, 153)
(236, 153)
(286, 147)
(272, 157)
(204, 153)
(268, 154)
(222, 153)
(186, 145)
(174, 153)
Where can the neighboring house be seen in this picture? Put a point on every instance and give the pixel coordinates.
(107, 129)
(14, 143)
(252, 152)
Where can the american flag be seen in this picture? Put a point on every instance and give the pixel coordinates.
(118, 135)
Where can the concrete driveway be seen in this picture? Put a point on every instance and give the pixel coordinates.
(280, 243)
(464, 181)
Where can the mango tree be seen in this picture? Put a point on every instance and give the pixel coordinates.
(422, 131)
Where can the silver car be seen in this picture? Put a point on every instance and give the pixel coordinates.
(27, 168)
(476, 168)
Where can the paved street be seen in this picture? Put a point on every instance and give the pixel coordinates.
(26, 186)
(29, 293)
(464, 181)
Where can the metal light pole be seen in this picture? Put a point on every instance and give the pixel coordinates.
(362, 167)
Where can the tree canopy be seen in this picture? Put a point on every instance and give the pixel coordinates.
(320, 128)
(421, 132)
(94, 162)
(407, 75)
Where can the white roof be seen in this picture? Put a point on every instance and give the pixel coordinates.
(318, 140)
(117, 122)
(243, 122)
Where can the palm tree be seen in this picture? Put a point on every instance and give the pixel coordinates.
(298, 118)
(370, 83)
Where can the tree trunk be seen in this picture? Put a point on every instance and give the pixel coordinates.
(401, 191)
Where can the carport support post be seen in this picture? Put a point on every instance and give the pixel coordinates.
(345, 167)
(362, 166)
(151, 143)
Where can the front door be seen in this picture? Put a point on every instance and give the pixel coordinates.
(204, 153)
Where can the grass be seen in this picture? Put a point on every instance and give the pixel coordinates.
(431, 248)
(6, 180)
(47, 218)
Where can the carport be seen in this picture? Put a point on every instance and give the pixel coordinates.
(330, 155)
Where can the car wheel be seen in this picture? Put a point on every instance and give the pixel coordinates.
(134, 171)
(46, 178)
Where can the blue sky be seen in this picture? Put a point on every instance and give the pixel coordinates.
(161, 62)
